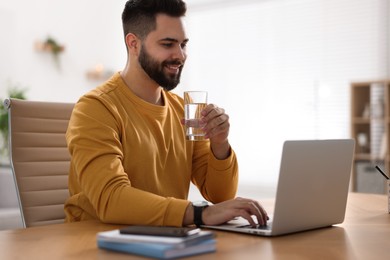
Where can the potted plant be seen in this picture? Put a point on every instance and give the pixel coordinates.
(13, 92)
(52, 46)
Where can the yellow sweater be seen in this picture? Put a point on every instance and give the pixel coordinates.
(131, 163)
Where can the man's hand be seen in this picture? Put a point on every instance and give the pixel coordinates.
(216, 123)
(216, 128)
(238, 207)
(223, 212)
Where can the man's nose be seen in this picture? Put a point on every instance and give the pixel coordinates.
(180, 54)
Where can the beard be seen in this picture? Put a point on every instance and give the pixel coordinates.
(155, 70)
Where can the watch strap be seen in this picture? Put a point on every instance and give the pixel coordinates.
(198, 221)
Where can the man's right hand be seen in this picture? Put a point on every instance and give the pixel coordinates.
(225, 211)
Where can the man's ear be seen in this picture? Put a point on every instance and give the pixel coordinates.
(133, 43)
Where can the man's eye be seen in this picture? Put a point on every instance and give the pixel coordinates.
(167, 45)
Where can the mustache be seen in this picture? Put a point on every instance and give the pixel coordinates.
(173, 62)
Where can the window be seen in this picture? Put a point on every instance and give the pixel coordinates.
(282, 69)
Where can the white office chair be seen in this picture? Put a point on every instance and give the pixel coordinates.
(39, 158)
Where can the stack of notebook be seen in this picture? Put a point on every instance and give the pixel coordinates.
(162, 246)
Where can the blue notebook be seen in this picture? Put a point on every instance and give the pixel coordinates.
(160, 251)
(116, 236)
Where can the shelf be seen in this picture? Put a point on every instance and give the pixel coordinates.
(361, 120)
(367, 157)
(364, 120)
(362, 156)
(370, 127)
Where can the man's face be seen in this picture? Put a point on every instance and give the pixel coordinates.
(159, 71)
(163, 53)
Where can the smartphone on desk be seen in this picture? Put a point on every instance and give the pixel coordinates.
(160, 231)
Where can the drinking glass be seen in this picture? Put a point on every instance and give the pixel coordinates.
(194, 103)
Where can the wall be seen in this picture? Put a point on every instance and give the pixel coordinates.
(283, 68)
(90, 31)
(280, 68)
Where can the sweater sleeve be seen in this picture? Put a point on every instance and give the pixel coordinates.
(94, 142)
(216, 179)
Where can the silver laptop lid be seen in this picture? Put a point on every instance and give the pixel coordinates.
(313, 184)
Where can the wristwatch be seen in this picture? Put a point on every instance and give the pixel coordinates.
(199, 206)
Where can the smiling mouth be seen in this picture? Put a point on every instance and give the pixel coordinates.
(173, 68)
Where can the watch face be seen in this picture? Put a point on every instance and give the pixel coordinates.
(200, 203)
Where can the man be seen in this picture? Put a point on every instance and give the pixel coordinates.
(131, 163)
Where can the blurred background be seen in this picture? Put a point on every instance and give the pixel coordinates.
(282, 69)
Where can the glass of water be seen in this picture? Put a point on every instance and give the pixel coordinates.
(194, 103)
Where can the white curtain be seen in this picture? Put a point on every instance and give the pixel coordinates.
(282, 69)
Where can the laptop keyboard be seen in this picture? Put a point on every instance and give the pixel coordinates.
(267, 227)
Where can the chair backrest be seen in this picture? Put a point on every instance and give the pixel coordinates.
(39, 158)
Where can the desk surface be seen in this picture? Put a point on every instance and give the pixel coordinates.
(365, 234)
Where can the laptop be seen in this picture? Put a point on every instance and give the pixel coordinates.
(312, 189)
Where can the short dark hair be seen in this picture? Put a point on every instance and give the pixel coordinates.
(139, 16)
